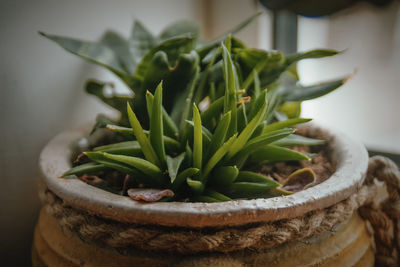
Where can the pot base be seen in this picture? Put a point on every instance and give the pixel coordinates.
(348, 245)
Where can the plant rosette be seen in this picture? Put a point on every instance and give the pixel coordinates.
(187, 155)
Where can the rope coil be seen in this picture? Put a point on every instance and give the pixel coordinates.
(383, 217)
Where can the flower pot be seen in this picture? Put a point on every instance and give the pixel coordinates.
(83, 225)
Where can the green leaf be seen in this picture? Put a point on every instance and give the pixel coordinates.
(118, 102)
(172, 47)
(100, 158)
(303, 93)
(197, 139)
(181, 177)
(213, 111)
(91, 51)
(180, 28)
(253, 177)
(131, 148)
(284, 124)
(173, 165)
(298, 140)
(259, 141)
(317, 53)
(218, 155)
(85, 168)
(142, 165)
(207, 135)
(245, 135)
(224, 176)
(231, 86)
(170, 143)
(145, 144)
(291, 109)
(271, 153)
(196, 186)
(149, 102)
(120, 46)
(218, 138)
(249, 190)
(141, 41)
(216, 195)
(156, 126)
(257, 86)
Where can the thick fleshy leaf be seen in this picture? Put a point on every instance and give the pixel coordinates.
(120, 46)
(284, 124)
(156, 126)
(100, 158)
(224, 176)
(131, 148)
(144, 142)
(298, 140)
(216, 195)
(253, 177)
(207, 135)
(213, 111)
(142, 165)
(302, 93)
(140, 42)
(231, 87)
(85, 168)
(180, 28)
(173, 48)
(197, 139)
(218, 138)
(91, 51)
(183, 175)
(245, 135)
(215, 159)
(316, 53)
(170, 143)
(173, 165)
(196, 186)
(271, 153)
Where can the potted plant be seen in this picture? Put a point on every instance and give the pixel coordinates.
(189, 173)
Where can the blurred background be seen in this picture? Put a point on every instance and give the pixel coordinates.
(42, 85)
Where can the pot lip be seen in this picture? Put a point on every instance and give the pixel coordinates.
(349, 156)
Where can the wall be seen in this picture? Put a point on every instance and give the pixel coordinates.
(42, 92)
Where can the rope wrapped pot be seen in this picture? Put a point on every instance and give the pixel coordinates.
(83, 225)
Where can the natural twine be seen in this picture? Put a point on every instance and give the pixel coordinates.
(383, 218)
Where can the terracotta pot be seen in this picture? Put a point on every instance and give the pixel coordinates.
(346, 244)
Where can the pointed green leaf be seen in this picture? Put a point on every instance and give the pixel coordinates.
(149, 102)
(253, 177)
(131, 148)
(85, 168)
(213, 111)
(91, 51)
(215, 159)
(196, 186)
(245, 135)
(197, 139)
(141, 41)
(173, 165)
(216, 195)
(145, 144)
(156, 126)
(180, 28)
(218, 138)
(271, 153)
(120, 46)
(181, 177)
(298, 140)
(100, 158)
(207, 135)
(224, 176)
(231, 86)
(142, 165)
(317, 53)
(284, 124)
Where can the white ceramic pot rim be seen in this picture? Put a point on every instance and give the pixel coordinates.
(349, 156)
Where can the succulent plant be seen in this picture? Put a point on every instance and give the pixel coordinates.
(200, 112)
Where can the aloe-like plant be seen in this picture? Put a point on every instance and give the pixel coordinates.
(202, 160)
(200, 111)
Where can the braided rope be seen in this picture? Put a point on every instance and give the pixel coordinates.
(188, 241)
(384, 216)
